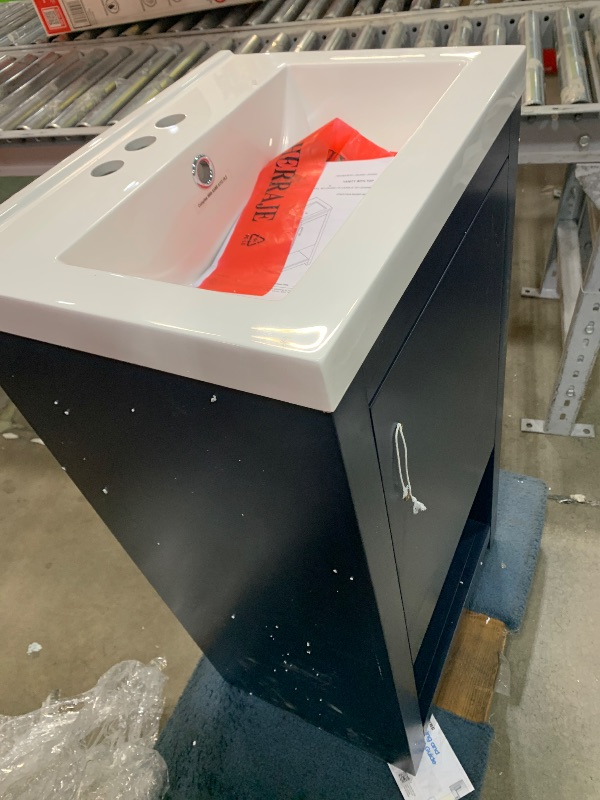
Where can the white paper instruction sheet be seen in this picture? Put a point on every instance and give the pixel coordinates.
(440, 775)
(339, 190)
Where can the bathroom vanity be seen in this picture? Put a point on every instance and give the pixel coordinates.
(243, 449)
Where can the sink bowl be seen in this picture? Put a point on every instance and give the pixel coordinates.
(123, 231)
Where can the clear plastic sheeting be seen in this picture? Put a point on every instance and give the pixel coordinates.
(503, 678)
(97, 746)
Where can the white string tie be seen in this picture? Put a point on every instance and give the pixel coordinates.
(406, 487)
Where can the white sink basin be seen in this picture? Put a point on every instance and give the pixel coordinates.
(105, 261)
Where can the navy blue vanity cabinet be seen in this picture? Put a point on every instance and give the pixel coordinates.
(277, 533)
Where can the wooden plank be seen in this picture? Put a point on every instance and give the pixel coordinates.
(467, 684)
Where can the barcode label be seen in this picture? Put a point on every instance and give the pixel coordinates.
(77, 13)
(53, 18)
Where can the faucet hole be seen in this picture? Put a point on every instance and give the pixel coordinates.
(107, 168)
(141, 143)
(168, 122)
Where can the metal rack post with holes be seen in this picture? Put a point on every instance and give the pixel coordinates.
(56, 95)
(572, 275)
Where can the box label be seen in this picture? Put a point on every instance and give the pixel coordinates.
(65, 16)
(440, 775)
(52, 16)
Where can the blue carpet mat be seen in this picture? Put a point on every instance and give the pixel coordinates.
(505, 580)
(221, 743)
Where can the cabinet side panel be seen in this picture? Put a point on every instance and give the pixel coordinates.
(237, 510)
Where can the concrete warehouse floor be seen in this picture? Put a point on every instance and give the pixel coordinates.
(66, 583)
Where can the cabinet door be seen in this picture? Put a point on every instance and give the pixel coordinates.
(442, 387)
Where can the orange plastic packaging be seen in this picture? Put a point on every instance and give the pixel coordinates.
(263, 236)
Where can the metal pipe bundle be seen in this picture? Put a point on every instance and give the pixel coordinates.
(395, 37)
(529, 35)
(574, 85)
(68, 69)
(280, 44)
(264, 12)
(314, 10)
(38, 74)
(337, 41)
(494, 32)
(339, 8)
(64, 99)
(428, 35)
(365, 7)
(461, 33)
(366, 39)
(130, 87)
(96, 94)
(595, 28)
(14, 68)
(166, 78)
(310, 41)
(392, 6)
(252, 44)
(289, 11)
